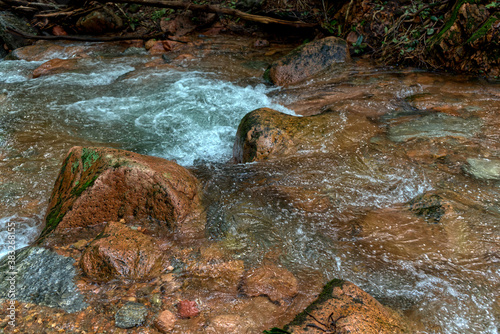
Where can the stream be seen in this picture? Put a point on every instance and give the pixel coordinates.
(338, 213)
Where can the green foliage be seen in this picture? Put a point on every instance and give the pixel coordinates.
(359, 46)
(333, 27)
(158, 14)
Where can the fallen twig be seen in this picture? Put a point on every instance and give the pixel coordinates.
(90, 38)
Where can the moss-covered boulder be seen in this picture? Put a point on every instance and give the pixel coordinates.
(307, 61)
(97, 185)
(343, 307)
(266, 133)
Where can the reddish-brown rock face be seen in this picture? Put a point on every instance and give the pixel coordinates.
(277, 283)
(97, 185)
(308, 60)
(121, 252)
(165, 321)
(187, 309)
(344, 308)
(55, 66)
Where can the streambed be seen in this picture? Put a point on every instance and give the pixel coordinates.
(344, 212)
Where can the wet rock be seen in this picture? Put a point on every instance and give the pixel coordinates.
(431, 206)
(156, 48)
(435, 125)
(183, 24)
(97, 185)
(308, 60)
(266, 133)
(9, 20)
(343, 308)
(43, 277)
(220, 276)
(228, 324)
(187, 309)
(179, 26)
(275, 282)
(131, 315)
(55, 66)
(99, 22)
(165, 321)
(304, 199)
(121, 252)
(59, 31)
(483, 169)
(44, 51)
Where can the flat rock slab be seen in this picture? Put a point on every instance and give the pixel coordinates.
(483, 169)
(435, 125)
(42, 277)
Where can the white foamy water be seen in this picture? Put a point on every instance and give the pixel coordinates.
(16, 233)
(177, 115)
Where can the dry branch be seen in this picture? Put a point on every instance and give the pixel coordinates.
(215, 9)
(22, 3)
(86, 38)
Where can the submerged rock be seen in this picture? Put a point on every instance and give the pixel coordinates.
(217, 276)
(42, 277)
(97, 185)
(435, 125)
(307, 61)
(484, 169)
(187, 309)
(121, 252)
(55, 66)
(228, 324)
(266, 133)
(277, 283)
(131, 315)
(343, 308)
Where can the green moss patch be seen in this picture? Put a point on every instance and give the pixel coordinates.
(89, 156)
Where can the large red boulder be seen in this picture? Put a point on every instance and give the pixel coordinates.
(97, 185)
(343, 307)
(308, 60)
(121, 252)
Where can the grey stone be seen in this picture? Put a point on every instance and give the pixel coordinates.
(484, 169)
(435, 125)
(9, 20)
(130, 315)
(41, 277)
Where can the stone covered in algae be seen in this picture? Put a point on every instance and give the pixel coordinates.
(97, 185)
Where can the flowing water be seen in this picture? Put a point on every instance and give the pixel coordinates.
(340, 213)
